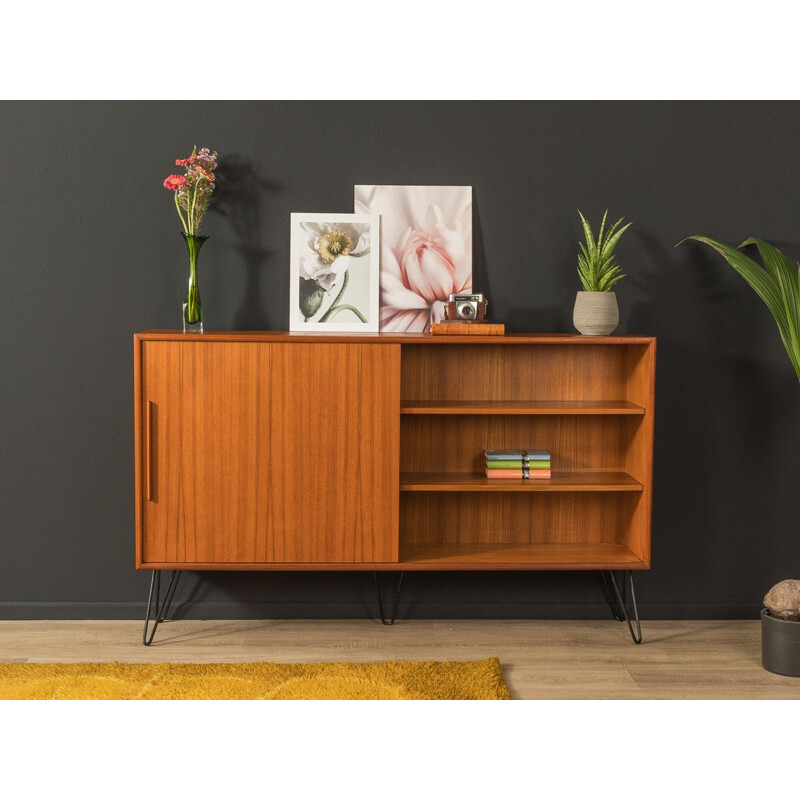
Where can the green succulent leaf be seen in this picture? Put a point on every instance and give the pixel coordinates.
(611, 241)
(587, 231)
(597, 267)
(611, 230)
(600, 235)
(609, 279)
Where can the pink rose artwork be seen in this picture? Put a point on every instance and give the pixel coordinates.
(426, 250)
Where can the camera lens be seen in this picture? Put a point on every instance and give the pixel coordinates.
(466, 310)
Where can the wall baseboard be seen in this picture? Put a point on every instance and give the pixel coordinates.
(413, 610)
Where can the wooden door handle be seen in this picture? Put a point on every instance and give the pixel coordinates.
(149, 443)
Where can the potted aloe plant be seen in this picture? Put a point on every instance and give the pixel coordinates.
(596, 312)
(777, 283)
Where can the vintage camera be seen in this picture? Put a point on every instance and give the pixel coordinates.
(466, 308)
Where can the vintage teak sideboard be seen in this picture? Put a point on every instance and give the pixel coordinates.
(299, 451)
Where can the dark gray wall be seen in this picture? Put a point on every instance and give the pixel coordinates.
(91, 253)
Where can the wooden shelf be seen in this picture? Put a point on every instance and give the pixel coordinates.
(521, 556)
(519, 407)
(466, 557)
(560, 482)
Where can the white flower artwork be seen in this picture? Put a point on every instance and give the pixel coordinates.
(334, 272)
(426, 253)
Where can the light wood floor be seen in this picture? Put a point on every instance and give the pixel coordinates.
(541, 659)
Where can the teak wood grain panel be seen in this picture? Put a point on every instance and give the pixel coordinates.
(472, 518)
(593, 407)
(512, 339)
(498, 372)
(641, 372)
(204, 449)
(456, 443)
(259, 453)
(335, 446)
(601, 555)
(559, 482)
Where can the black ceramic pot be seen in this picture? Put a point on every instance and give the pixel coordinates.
(780, 645)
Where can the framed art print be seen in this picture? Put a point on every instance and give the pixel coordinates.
(426, 250)
(335, 284)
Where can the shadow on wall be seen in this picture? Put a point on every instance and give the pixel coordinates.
(239, 199)
(520, 319)
(547, 319)
(560, 257)
(693, 287)
(275, 595)
(480, 270)
(676, 284)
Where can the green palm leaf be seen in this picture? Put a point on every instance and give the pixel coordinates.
(777, 283)
(786, 277)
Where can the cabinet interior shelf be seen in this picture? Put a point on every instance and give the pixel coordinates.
(560, 482)
(520, 407)
(579, 555)
(422, 557)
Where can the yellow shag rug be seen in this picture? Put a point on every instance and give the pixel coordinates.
(390, 680)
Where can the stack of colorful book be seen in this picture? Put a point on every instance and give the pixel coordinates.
(525, 464)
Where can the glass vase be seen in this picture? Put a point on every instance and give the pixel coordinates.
(193, 306)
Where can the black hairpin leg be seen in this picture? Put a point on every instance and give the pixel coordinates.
(610, 599)
(160, 612)
(383, 618)
(619, 603)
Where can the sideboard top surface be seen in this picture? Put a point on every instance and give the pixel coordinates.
(387, 338)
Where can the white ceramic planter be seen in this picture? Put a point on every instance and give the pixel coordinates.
(595, 313)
